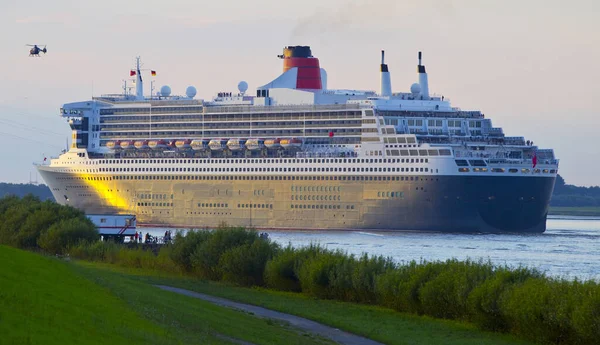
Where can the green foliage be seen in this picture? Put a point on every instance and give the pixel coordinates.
(205, 258)
(60, 236)
(281, 272)
(184, 246)
(486, 300)
(245, 264)
(24, 222)
(446, 294)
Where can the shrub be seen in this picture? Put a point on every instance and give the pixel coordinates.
(446, 294)
(586, 314)
(364, 275)
(484, 302)
(205, 258)
(541, 310)
(281, 272)
(245, 264)
(326, 275)
(67, 233)
(184, 246)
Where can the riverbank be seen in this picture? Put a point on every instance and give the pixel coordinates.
(46, 300)
(574, 211)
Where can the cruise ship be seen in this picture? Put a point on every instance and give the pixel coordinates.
(296, 155)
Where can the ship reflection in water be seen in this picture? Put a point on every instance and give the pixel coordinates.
(569, 247)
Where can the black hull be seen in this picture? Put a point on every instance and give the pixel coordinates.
(470, 204)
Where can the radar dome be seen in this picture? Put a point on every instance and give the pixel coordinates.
(415, 88)
(190, 91)
(243, 86)
(165, 90)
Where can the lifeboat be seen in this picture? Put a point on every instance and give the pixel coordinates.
(236, 144)
(113, 145)
(291, 143)
(183, 144)
(127, 144)
(273, 143)
(217, 144)
(141, 144)
(157, 144)
(255, 144)
(200, 144)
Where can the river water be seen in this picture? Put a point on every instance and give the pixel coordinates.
(569, 248)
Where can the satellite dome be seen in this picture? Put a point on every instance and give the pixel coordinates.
(415, 88)
(243, 86)
(190, 91)
(165, 90)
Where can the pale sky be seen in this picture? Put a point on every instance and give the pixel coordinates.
(532, 66)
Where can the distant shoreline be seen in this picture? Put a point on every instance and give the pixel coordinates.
(574, 211)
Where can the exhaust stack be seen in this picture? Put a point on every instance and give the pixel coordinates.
(423, 82)
(309, 71)
(386, 82)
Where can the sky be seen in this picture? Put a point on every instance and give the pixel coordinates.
(531, 66)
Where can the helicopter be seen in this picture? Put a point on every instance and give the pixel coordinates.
(35, 51)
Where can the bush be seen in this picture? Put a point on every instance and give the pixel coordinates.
(245, 264)
(326, 275)
(184, 246)
(586, 315)
(542, 309)
(67, 233)
(205, 258)
(484, 302)
(445, 295)
(281, 273)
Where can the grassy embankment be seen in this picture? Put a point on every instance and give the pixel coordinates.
(46, 301)
(574, 211)
(381, 324)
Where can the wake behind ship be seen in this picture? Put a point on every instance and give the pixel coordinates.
(297, 155)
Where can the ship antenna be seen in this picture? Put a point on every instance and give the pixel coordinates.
(139, 87)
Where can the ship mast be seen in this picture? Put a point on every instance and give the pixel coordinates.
(139, 87)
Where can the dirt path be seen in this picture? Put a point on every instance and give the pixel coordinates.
(295, 321)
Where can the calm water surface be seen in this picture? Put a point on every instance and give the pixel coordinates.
(569, 248)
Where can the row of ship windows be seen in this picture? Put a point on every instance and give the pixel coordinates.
(315, 188)
(319, 206)
(156, 204)
(258, 178)
(327, 169)
(213, 205)
(512, 170)
(153, 196)
(316, 197)
(255, 161)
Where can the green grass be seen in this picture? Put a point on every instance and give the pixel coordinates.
(48, 301)
(384, 325)
(574, 211)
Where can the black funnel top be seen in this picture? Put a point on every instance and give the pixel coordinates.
(296, 52)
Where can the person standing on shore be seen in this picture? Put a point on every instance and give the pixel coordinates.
(136, 237)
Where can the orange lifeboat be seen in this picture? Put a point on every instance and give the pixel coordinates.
(141, 144)
(113, 145)
(183, 144)
(290, 143)
(273, 143)
(157, 144)
(127, 144)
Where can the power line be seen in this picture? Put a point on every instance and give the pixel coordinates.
(17, 124)
(30, 139)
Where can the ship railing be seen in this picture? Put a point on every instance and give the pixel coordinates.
(340, 154)
(277, 108)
